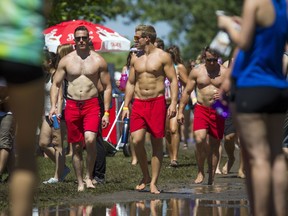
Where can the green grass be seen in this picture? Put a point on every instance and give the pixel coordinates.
(120, 176)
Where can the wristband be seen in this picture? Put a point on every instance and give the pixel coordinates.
(106, 113)
(125, 108)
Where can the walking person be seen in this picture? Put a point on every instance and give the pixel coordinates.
(82, 69)
(21, 45)
(258, 74)
(50, 139)
(172, 136)
(146, 86)
(206, 78)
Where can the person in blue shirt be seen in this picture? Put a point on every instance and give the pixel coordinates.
(260, 92)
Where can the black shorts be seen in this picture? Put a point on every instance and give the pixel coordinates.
(260, 99)
(18, 73)
(229, 126)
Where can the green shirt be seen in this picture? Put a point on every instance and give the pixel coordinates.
(21, 26)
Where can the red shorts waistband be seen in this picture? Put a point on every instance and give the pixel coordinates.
(150, 99)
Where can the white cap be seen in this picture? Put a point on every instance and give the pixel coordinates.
(117, 75)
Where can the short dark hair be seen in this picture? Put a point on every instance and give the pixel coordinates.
(147, 30)
(81, 28)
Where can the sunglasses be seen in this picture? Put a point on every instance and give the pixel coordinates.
(211, 59)
(136, 38)
(84, 38)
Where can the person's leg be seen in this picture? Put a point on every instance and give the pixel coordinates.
(279, 167)
(45, 139)
(6, 141)
(186, 127)
(4, 156)
(229, 145)
(200, 137)
(156, 162)
(175, 141)
(57, 141)
(253, 132)
(218, 171)
(90, 141)
(241, 170)
(138, 140)
(213, 158)
(100, 164)
(27, 114)
(77, 159)
(134, 159)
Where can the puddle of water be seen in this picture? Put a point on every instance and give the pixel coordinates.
(157, 207)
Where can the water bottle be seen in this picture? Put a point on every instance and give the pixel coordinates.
(123, 81)
(56, 124)
(221, 109)
(125, 131)
(167, 89)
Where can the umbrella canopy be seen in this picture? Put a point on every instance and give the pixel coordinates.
(104, 39)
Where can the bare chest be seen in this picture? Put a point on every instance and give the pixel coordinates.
(79, 67)
(149, 65)
(205, 80)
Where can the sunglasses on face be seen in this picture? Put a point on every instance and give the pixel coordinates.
(211, 59)
(136, 38)
(84, 38)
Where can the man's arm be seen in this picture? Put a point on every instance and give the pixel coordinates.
(171, 75)
(130, 87)
(106, 83)
(56, 85)
(186, 94)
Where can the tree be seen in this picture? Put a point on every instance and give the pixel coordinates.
(192, 20)
(92, 10)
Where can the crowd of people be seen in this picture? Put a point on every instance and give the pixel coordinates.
(73, 89)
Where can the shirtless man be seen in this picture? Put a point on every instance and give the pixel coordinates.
(207, 78)
(146, 86)
(82, 69)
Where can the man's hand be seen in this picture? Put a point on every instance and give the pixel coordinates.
(105, 121)
(171, 112)
(125, 113)
(180, 118)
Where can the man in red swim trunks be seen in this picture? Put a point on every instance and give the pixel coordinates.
(146, 85)
(207, 78)
(82, 68)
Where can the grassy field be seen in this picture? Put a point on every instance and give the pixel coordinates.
(120, 176)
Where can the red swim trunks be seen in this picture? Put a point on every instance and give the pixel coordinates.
(149, 114)
(81, 116)
(207, 118)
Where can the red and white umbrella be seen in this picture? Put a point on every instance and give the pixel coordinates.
(104, 39)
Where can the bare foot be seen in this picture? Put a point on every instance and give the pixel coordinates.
(241, 175)
(142, 185)
(224, 169)
(199, 179)
(218, 171)
(154, 189)
(134, 162)
(89, 183)
(228, 165)
(81, 188)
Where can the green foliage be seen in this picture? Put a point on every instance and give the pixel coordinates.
(193, 22)
(91, 10)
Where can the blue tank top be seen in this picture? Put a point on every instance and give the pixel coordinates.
(261, 65)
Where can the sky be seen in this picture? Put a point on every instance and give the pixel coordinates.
(120, 26)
